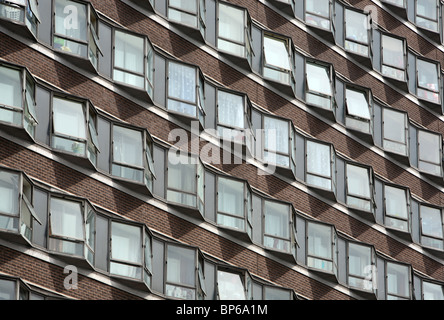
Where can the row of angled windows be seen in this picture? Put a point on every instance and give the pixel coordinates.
(76, 130)
(82, 234)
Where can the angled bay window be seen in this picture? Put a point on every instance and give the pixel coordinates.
(321, 247)
(394, 57)
(69, 221)
(398, 281)
(130, 252)
(233, 284)
(184, 273)
(431, 227)
(17, 99)
(185, 181)
(74, 127)
(427, 14)
(278, 142)
(359, 187)
(318, 13)
(397, 207)
(357, 32)
(320, 165)
(17, 214)
(74, 30)
(360, 267)
(429, 152)
(279, 231)
(132, 155)
(21, 12)
(428, 81)
(319, 90)
(234, 204)
(190, 13)
(432, 291)
(395, 132)
(133, 61)
(359, 109)
(234, 31)
(186, 91)
(278, 59)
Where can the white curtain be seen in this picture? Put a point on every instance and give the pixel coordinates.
(9, 193)
(182, 82)
(129, 55)
(128, 147)
(231, 23)
(230, 109)
(318, 159)
(280, 127)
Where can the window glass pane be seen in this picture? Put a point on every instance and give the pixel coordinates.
(181, 267)
(10, 88)
(7, 290)
(395, 202)
(126, 243)
(359, 264)
(319, 7)
(394, 131)
(427, 75)
(318, 161)
(277, 294)
(397, 280)
(277, 226)
(276, 53)
(129, 52)
(393, 52)
(279, 129)
(69, 118)
(127, 146)
(319, 246)
(230, 109)
(357, 104)
(426, 8)
(183, 11)
(432, 291)
(318, 79)
(66, 219)
(182, 176)
(429, 145)
(231, 23)
(358, 181)
(356, 32)
(182, 86)
(431, 222)
(230, 286)
(231, 197)
(9, 193)
(71, 19)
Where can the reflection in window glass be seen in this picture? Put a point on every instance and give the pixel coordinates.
(276, 59)
(428, 87)
(182, 86)
(319, 169)
(431, 227)
(394, 131)
(357, 32)
(181, 273)
(393, 57)
(358, 187)
(277, 226)
(182, 185)
(319, 89)
(11, 95)
(429, 152)
(276, 141)
(230, 206)
(398, 282)
(317, 13)
(320, 250)
(396, 209)
(230, 286)
(230, 111)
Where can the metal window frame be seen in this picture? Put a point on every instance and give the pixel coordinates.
(408, 203)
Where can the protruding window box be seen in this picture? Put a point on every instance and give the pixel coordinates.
(358, 36)
(186, 92)
(234, 206)
(17, 102)
(361, 269)
(131, 157)
(71, 229)
(431, 229)
(428, 83)
(130, 255)
(188, 15)
(234, 33)
(395, 134)
(398, 281)
(397, 210)
(21, 16)
(429, 148)
(17, 215)
(359, 111)
(133, 64)
(233, 284)
(428, 18)
(73, 129)
(75, 33)
(146, 4)
(319, 16)
(319, 87)
(394, 60)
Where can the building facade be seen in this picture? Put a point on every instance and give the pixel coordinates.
(221, 149)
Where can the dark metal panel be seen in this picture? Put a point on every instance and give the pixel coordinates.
(104, 136)
(39, 234)
(105, 60)
(43, 102)
(102, 246)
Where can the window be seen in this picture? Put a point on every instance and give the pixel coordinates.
(319, 88)
(397, 281)
(428, 79)
(8, 289)
(432, 291)
(320, 165)
(186, 91)
(74, 128)
(321, 248)
(318, 13)
(278, 228)
(359, 189)
(361, 261)
(357, 32)
(395, 131)
(16, 109)
(234, 31)
(272, 293)
(278, 59)
(431, 227)
(67, 224)
(427, 14)
(393, 59)
(429, 152)
(24, 12)
(185, 181)
(16, 208)
(75, 30)
(278, 142)
(233, 285)
(133, 61)
(396, 208)
(188, 12)
(183, 276)
(358, 114)
(233, 209)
